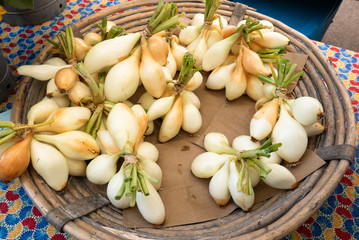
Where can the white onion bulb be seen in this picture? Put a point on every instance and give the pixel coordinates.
(292, 135)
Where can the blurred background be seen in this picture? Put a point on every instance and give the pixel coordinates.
(331, 21)
(344, 30)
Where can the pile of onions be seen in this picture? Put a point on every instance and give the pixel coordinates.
(236, 60)
(139, 176)
(178, 106)
(88, 126)
(203, 33)
(284, 119)
(236, 170)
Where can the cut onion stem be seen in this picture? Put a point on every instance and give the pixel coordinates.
(113, 32)
(134, 179)
(285, 74)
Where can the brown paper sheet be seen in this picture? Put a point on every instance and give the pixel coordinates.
(186, 197)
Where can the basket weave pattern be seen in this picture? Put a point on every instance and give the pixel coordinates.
(275, 217)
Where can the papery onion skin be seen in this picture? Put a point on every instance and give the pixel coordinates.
(50, 164)
(237, 83)
(244, 142)
(15, 160)
(195, 82)
(113, 187)
(315, 129)
(274, 158)
(52, 90)
(160, 107)
(81, 48)
(307, 110)
(192, 97)
(123, 78)
(153, 170)
(66, 119)
(253, 64)
(76, 168)
(55, 61)
(9, 143)
(218, 185)
(147, 151)
(243, 200)
(178, 52)
(79, 92)
(101, 169)
(192, 119)
(218, 77)
(215, 142)
(66, 78)
(92, 38)
(109, 52)
(189, 34)
(106, 142)
(264, 120)
(76, 145)
(272, 40)
(151, 207)
(217, 53)
(206, 164)
(40, 111)
(280, 177)
(42, 72)
(151, 74)
(158, 48)
(123, 127)
(292, 135)
(172, 122)
(254, 88)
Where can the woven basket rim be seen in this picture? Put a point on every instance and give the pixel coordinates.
(280, 219)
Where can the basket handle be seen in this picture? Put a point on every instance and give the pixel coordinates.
(59, 216)
(337, 152)
(238, 13)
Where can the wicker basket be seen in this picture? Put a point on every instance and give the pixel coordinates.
(271, 219)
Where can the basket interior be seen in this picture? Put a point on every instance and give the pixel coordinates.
(275, 217)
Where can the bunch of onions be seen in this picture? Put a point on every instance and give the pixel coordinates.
(191, 32)
(132, 184)
(218, 52)
(234, 171)
(263, 121)
(198, 47)
(176, 105)
(238, 76)
(272, 116)
(96, 102)
(155, 49)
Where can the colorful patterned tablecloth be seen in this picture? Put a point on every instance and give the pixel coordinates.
(338, 218)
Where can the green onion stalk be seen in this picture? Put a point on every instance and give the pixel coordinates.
(284, 77)
(9, 129)
(134, 179)
(114, 31)
(250, 158)
(99, 105)
(210, 11)
(243, 31)
(241, 36)
(271, 55)
(65, 45)
(188, 69)
(165, 18)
